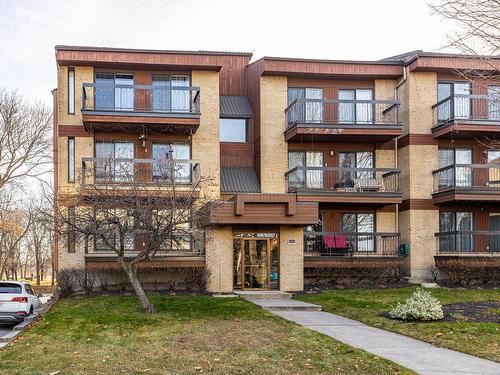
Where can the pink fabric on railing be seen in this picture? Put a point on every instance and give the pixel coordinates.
(329, 241)
(340, 242)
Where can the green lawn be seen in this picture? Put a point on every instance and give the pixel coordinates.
(481, 339)
(188, 335)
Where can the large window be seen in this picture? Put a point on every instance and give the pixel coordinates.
(233, 130)
(71, 231)
(172, 158)
(107, 223)
(355, 112)
(309, 178)
(71, 91)
(350, 160)
(494, 102)
(169, 94)
(460, 107)
(359, 223)
(458, 176)
(71, 159)
(455, 228)
(114, 92)
(114, 161)
(309, 111)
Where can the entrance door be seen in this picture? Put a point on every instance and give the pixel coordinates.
(252, 261)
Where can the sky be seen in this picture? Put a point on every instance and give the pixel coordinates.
(335, 29)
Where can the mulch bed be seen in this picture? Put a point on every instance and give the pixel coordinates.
(470, 312)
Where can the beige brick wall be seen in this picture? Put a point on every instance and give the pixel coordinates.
(384, 159)
(385, 89)
(422, 95)
(71, 260)
(219, 259)
(385, 221)
(423, 160)
(83, 74)
(291, 259)
(205, 143)
(273, 148)
(84, 147)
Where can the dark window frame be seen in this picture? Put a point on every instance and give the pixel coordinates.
(71, 103)
(247, 132)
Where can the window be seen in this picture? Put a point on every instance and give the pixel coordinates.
(494, 156)
(494, 102)
(359, 223)
(355, 112)
(107, 221)
(114, 92)
(10, 288)
(71, 159)
(28, 289)
(458, 176)
(455, 228)
(360, 159)
(108, 168)
(71, 230)
(178, 152)
(306, 110)
(459, 92)
(168, 98)
(233, 130)
(71, 91)
(308, 178)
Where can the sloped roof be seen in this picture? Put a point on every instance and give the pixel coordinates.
(239, 180)
(235, 106)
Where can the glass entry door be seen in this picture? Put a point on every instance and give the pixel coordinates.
(252, 263)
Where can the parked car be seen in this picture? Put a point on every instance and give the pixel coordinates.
(17, 301)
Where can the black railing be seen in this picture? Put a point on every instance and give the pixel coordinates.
(467, 176)
(467, 108)
(351, 244)
(343, 112)
(140, 98)
(468, 242)
(339, 179)
(123, 171)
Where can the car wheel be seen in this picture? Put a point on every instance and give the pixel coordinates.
(31, 310)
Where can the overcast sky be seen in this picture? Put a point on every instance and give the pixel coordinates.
(334, 29)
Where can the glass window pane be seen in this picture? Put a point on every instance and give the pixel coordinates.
(364, 111)
(365, 223)
(182, 153)
(494, 156)
(314, 178)
(124, 96)
(462, 103)
(463, 175)
(494, 102)
(314, 109)
(347, 160)
(446, 157)
(297, 112)
(180, 98)
(71, 159)
(297, 178)
(71, 91)
(161, 94)
(104, 91)
(348, 223)
(233, 130)
(346, 110)
(444, 109)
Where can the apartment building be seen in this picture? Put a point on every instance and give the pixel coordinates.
(317, 164)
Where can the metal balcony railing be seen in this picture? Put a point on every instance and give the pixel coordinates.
(467, 176)
(469, 108)
(468, 242)
(339, 179)
(351, 244)
(366, 113)
(123, 171)
(104, 97)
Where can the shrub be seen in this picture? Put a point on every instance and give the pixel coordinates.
(66, 282)
(421, 305)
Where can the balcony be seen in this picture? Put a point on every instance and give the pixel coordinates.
(123, 174)
(468, 243)
(466, 117)
(120, 107)
(345, 185)
(466, 182)
(349, 249)
(333, 120)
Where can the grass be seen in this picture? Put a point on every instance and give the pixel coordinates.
(480, 339)
(188, 335)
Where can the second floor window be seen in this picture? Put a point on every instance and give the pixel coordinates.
(460, 106)
(233, 130)
(355, 112)
(310, 110)
(114, 92)
(309, 178)
(168, 95)
(180, 154)
(458, 176)
(360, 159)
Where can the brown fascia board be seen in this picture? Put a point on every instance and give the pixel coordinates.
(314, 68)
(98, 56)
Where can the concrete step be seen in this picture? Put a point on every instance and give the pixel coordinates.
(267, 294)
(284, 304)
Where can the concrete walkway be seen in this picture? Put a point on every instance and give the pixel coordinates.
(413, 354)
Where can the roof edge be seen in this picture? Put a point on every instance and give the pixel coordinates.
(138, 50)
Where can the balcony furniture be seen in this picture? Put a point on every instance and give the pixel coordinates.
(336, 245)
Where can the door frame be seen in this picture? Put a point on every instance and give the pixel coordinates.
(268, 259)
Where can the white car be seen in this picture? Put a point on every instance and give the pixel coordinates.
(17, 301)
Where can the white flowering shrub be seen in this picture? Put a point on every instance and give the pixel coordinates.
(421, 305)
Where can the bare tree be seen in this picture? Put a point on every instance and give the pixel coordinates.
(25, 138)
(136, 209)
(38, 240)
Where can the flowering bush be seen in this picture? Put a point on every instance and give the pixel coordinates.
(421, 305)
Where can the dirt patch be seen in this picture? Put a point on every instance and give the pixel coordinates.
(471, 312)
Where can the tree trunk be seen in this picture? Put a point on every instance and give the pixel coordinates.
(131, 271)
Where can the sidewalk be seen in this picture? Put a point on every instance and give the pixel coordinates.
(413, 354)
